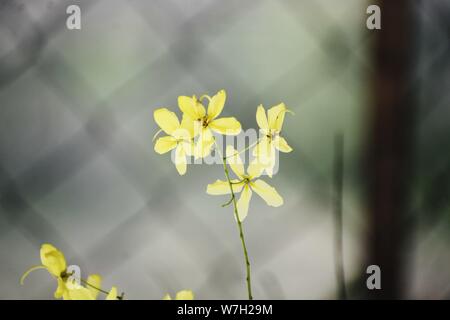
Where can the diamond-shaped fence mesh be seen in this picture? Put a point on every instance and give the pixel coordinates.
(78, 169)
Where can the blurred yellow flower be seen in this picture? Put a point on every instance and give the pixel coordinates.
(270, 127)
(245, 184)
(181, 295)
(93, 284)
(112, 295)
(75, 291)
(54, 262)
(205, 121)
(179, 136)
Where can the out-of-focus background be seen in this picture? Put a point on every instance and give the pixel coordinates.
(78, 170)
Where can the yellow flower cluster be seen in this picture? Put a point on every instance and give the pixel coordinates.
(194, 137)
(197, 122)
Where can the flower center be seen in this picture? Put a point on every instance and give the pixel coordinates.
(64, 275)
(205, 122)
(272, 134)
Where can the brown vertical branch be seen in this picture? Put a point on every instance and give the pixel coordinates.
(389, 153)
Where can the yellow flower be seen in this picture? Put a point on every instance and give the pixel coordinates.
(270, 127)
(180, 137)
(93, 284)
(181, 295)
(246, 184)
(206, 121)
(54, 262)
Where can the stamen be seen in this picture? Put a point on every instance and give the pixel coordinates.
(205, 122)
(156, 134)
(205, 96)
(22, 279)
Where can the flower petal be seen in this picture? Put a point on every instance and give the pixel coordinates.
(243, 202)
(276, 116)
(166, 120)
(188, 147)
(60, 290)
(112, 295)
(261, 119)
(265, 155)
(204, 143)
(180, 160)
(262, 148)
(184, 295)
(94, 283)
(235, 161)
(53, 259)
(281, 144)
(75, 291)
(268, 193)
(167, 297)
(165, 144)
(221, 187)
(216, 104)
(271, 161)
(80, 293)
(191, 107)
(227, 126)
(188, 125)
(255, 169)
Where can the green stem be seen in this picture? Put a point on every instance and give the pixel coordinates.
(243, 150)
(241, 231)
(99, 289)
(228, 202)
(94, 287)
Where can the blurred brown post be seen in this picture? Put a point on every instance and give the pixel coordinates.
(388, 168)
